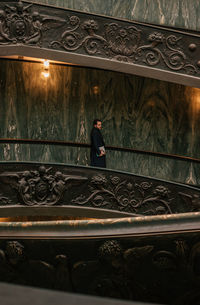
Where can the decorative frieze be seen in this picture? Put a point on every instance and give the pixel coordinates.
(36, 185)
(153, 269)
(28, 24)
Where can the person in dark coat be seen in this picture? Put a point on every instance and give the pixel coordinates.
(98, 153)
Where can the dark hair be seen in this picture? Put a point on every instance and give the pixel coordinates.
(95, 121)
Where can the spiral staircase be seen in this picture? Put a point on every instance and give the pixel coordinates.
(88, 230)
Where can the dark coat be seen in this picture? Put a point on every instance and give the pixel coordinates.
(96, 142)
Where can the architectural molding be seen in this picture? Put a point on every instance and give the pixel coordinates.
(160, 267)
(35, 30)
(89, 192)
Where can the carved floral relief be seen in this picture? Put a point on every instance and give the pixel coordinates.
(117, 40)
(125, 43)
(113, 192)
(48, 185)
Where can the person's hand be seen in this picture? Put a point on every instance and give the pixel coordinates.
(102, 154)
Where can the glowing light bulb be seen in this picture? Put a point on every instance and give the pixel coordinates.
(95, 89)
(46, 64)
(45, 74)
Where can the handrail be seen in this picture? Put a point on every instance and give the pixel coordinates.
(103, 228)
(108, 147)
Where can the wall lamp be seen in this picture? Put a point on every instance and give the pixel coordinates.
(46, 73)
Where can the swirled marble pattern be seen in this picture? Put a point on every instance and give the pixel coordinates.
(140, 113)
(178, 13)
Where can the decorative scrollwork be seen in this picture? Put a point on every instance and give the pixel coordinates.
(115, 40)
(116, 193)
(47, 185)
(71, 40)
(168, 52)
(124, 43)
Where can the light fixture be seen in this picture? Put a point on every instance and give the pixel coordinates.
(95, 89)
(46, 63)
(46, 73)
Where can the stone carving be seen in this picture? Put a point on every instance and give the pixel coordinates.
(17, 267)
(125, 43)
(36, 184)
(14, 252)
(110, 249)
(149, 269)
(18, 25)
(121, 42)
(4, 200)
(72, 40)
(116, 40)
(40, 187)
(166, 49)
(116, 193)
(165, 260)
(192, 201)
(114, 271)
(140, 272)
(182, 258)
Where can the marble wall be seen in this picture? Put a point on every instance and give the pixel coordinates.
(137, 112)
(178, 13)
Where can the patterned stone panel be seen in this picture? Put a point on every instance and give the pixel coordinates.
(141, 113)
(178, 13)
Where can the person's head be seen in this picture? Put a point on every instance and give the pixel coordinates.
(97, 124)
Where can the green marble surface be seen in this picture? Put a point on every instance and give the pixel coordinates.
(137, 112)
(178, 13)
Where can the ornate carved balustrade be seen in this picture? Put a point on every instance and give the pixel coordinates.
(56, 189)
(152, 254)
(31, 29)
(146, 259)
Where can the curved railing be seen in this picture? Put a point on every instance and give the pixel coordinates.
(108, 147)
(150, 259)
(42, 31)
(149, 250)
(127, 227)
(27, 188)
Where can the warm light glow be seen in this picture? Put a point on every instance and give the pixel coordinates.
(45, 74)
(4, 219)
(95, 89)
(46, 63)
(195, 99)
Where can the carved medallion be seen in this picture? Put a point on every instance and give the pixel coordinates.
(19, 25)
(40, 187)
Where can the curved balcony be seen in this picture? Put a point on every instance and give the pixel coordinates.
(60, 189)
(89, 230)
(90, 40)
